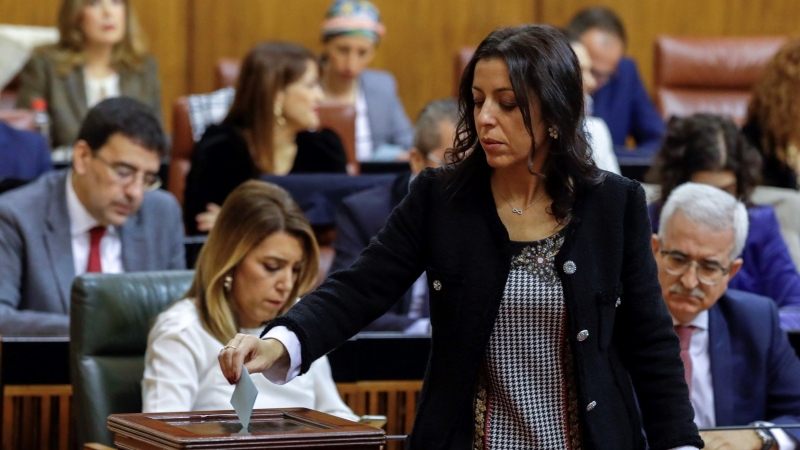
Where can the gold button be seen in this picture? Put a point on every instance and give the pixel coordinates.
(437, 285)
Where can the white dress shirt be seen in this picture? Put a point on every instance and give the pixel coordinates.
(702, 389)
(364, 150)
(601, 144)
(99, 89)
(182, 372)
(80, 222)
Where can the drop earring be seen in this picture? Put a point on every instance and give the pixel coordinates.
(279, 115)
(227, 283)
(553, 132)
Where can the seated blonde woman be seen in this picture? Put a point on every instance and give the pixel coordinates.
(258, 259)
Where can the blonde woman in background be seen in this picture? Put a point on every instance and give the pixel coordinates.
(258, 259)
(100, 54)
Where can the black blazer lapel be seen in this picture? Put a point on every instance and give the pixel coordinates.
(719, 349)
(58, 240)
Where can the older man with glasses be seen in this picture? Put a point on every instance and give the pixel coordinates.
(104, 214)
(738, 363)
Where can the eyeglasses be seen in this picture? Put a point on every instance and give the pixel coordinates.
(125, 174)
(708, 273)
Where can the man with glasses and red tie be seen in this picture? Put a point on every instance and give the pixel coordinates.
(104, 214)
(738, 363)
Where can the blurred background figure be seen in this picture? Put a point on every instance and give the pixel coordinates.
(773, 124)
(709, 149)
(596, 129)
(259, 258)
(100, 54)
(350, 34)
(620, 98)
(361, 216)
(265, 132)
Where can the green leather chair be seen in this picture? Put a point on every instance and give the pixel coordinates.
(110, 317)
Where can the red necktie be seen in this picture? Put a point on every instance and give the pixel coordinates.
(685, 336)
(95, 236)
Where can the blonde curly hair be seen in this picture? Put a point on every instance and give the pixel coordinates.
(775, 105)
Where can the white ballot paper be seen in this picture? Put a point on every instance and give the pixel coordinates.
(244, 398)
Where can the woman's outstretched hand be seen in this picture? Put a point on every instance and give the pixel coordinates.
(257, 355)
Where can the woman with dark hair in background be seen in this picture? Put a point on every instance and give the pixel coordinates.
(100, 54)
(548, 323)
(708, 149)
(265, 132)
(773, 124)
(350, 34)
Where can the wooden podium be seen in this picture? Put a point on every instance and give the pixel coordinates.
(292, 428)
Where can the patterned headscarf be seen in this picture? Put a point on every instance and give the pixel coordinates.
(353, 18)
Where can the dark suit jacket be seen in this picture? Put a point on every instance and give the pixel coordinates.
(754, 369)
(23, 155)
(360, 217)
(627, 110)
(36, 265)
(66, 94)
(463, 245)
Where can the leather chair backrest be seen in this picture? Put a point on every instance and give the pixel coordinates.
(463, 56)
(182, 145)
(787, 209)
(110, 318)
(709, 74)
(342, 120)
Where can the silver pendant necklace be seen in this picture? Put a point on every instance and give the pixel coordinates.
(515, 210)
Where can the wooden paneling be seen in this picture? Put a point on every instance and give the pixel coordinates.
(40, 13)
(646, 19)
(166, 27)
(421, 40)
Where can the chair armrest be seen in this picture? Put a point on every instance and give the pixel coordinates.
(96, 446)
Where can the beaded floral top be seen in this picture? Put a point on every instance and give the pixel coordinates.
(526, 395)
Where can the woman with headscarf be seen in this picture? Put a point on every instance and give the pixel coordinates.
(350, 34)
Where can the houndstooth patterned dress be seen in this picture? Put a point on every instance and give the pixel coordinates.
(526, 397)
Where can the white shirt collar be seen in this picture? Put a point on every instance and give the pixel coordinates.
(699, 322)
(79, 218)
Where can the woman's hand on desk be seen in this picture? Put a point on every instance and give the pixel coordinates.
(206, 220)
(255, 354)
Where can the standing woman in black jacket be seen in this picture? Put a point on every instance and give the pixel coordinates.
(546, 311)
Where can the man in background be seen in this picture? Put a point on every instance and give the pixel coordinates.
(739, 365)
(105, 215)
(620, 98)
(362, 215)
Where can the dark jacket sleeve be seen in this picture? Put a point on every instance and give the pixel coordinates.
(351, 299)
(783, 371)
(220, 163)
(319, 152)
(646, 340)
(777, 271)
(647, 127)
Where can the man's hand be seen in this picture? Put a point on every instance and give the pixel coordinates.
(733, 440)
(256, 354)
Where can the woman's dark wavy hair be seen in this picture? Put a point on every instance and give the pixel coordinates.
(705, 142)
(541, 65)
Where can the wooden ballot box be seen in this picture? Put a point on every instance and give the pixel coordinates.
(292, 428)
